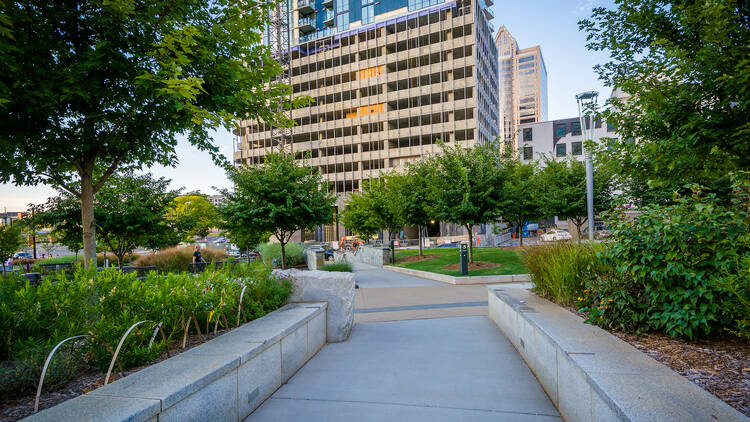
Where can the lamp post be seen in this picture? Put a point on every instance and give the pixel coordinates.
(588, 100)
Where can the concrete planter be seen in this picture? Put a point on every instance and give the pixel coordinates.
(482, 279)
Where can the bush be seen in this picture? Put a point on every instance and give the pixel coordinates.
(177, 259)
(271, 251)
(106, 303)
(559, 270)
(681, 269)
(342, 266)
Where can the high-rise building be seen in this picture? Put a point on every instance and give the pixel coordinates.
(388, 79)
(523, 85)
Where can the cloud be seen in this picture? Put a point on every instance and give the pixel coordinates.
(584, 7)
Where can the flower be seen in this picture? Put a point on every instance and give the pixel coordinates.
(580, 298)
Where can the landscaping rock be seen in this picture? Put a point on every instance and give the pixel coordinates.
(336, 288)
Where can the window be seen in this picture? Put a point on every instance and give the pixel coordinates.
(575, 128)
(528, 153)
(560, 150)
(577, 148)
(560, 130)
(527, 135)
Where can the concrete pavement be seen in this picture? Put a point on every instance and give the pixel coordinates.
(421, 351)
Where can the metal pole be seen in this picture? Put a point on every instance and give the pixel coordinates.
(589, 165)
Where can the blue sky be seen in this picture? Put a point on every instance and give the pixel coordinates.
(552, 24)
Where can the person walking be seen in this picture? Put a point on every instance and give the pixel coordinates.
(197, 255)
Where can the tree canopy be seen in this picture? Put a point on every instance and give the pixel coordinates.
(684, 71)
(91, 87)
(193, 215)
(523, 194)
(10, 241)
(278, 196)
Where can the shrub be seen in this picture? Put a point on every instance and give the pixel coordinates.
(681, 269)
(559, 270)
(342, 266)
(272, 251)
(177, 259)
(106, 303)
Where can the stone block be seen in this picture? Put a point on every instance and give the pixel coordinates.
(293, 352)
(545, 364)
(89, 408)
(316, 334)
(335, 288)
(258, 379)
(601, 411)
(574, 392)
(216, 402)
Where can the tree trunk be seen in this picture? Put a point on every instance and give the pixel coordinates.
(420, 240)
(471, 245)
(87, 216)
(520, 235)
(283, 254)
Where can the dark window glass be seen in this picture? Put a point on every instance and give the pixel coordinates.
(528, 153)
(560, 150)
(527, 135)
(577, 148)
(610, 127)
(575, 128)
(560, 130)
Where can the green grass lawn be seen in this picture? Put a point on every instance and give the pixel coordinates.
(509, 260)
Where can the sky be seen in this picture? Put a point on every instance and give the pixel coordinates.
(551, 24)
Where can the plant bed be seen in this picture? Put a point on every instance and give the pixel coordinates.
(473, 266)
(508, 261)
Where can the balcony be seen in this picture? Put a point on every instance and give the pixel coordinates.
(329, 17)
(328, 3)
(306, 24)
(305, 7)
(309, 37)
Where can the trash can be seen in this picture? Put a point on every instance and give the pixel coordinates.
(464, 253)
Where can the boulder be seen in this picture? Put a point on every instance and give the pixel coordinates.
(336, 288)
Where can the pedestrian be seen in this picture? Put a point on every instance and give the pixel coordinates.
(9, 263)
(197, 255)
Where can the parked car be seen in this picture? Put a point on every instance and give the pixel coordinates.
(448, 245)
(22, 255)
(555, 235)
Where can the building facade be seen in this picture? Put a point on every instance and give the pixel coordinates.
(388, 79)
(557, 139)
(522, 86)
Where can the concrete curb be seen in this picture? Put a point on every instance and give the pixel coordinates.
(224, 379)
(480, 279)
(591, 375)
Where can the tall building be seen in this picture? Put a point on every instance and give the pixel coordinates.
(523, 85)
(389, 79)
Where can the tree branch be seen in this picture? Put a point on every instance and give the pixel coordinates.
(111, 169)
(63, 185)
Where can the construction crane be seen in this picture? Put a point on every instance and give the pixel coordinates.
(279, 37)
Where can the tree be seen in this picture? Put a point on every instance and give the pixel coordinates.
(684, 70)
(129, 212)
(194, 215)
(279, 196)
(358, 216)
(412, 195)
(10, 241)
(523, 194)
(467, 186)
(91, 87)
(563, 191)
(384, 198)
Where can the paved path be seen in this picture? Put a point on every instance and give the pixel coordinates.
(369, 277)
(424, 363)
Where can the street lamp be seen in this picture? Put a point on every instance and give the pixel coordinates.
(587, 102)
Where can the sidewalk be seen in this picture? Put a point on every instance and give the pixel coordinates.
(432, 355)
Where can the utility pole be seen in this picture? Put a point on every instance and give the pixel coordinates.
(279, 40)
(588, 100)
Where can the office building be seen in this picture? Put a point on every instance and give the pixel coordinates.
(557, 139)
(389, 79)
(522, 79)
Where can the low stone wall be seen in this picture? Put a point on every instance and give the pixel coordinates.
(335, 288)
(370, 255)
(224, 379)
(481, 279)
(591, 375)
(314, 257)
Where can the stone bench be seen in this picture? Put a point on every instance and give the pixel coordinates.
(224, 379)
(591, 375)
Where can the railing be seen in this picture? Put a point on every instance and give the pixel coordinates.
(307, 21)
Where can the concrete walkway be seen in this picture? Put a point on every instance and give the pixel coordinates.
(422, 364)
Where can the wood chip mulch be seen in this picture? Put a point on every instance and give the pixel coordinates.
(721, 366)
(14, 409)
(415, 258)
(476, 265)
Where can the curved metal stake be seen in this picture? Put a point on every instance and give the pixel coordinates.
(239, 305)
(117, 351)
(187, 329)
(44, 369)
(156, 331)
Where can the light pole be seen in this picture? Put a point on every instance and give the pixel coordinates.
(588, 100)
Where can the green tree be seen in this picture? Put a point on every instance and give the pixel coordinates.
(194, 215)
(10, 241)
(522, 194)
(91, 87)
(562, 185)
(358, 217)
(129, 212)
(279, 196)
(684, 69)
(467, 187)
(384, 199)
(412, 195)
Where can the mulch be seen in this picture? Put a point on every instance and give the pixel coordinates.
(415, 258)
(13, 409)
(476, 265)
